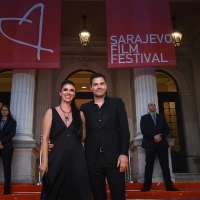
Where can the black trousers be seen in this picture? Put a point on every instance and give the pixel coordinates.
(162, 154)
(104, 170)
(6, 155)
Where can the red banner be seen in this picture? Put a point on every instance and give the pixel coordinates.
(139, 33)
(30, 34)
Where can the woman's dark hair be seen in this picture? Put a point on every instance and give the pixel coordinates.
(75, 112)
(9, 112)
(97, 75)
(66, 82)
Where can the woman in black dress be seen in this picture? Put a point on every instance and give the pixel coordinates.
(7, 132)
(65, 164)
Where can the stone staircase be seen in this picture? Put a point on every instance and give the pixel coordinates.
(188, 190)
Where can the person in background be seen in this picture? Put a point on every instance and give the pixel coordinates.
(106, 136)
(155, 129)
(7, 132)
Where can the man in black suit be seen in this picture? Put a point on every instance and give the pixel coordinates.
(155, 129)
(107, 138)
(7, 132)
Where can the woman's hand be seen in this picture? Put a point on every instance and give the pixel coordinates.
(43, 168)
(1, 146)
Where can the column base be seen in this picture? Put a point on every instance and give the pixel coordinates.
(197, 162)
(23, 163)
(138, 164)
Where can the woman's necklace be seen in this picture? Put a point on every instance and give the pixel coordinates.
(66, 114)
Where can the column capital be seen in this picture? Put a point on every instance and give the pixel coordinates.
(144, 71)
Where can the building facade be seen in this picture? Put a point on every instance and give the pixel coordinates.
(30, 92)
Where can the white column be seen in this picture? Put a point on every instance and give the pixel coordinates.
(43, 100)
(145, 91)
(124, 91)
(22, 108)
(22, 102)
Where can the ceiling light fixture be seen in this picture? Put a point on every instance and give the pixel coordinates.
(84, 33)
(176, 35)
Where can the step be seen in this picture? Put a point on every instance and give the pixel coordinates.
(132, 196)
(188, 190)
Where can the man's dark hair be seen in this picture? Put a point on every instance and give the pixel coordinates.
(97, 75)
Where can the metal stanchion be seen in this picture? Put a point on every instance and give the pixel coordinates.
(128, 170)
(40, 158)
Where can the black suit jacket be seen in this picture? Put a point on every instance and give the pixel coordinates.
(7, 133)
(149, 130)
(113, 135)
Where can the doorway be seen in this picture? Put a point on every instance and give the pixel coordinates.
(81, 80)
(169, 105)
(5, 86)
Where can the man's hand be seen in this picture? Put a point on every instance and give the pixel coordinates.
(122, 163)
(157, 138)
(50, 146)
(1, 146)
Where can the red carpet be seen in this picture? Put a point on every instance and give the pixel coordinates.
(188, 190)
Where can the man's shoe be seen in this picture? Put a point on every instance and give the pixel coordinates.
(6, 193)
(145, 189)
(173, 189)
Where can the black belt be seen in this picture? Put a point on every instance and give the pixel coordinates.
(101, 149)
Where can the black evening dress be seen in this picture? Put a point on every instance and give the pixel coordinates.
(67, 169)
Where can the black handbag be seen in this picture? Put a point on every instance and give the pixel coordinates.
(45, 182)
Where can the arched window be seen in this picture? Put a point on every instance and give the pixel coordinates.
(165, 83)
(81, 80)
(82, 83)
